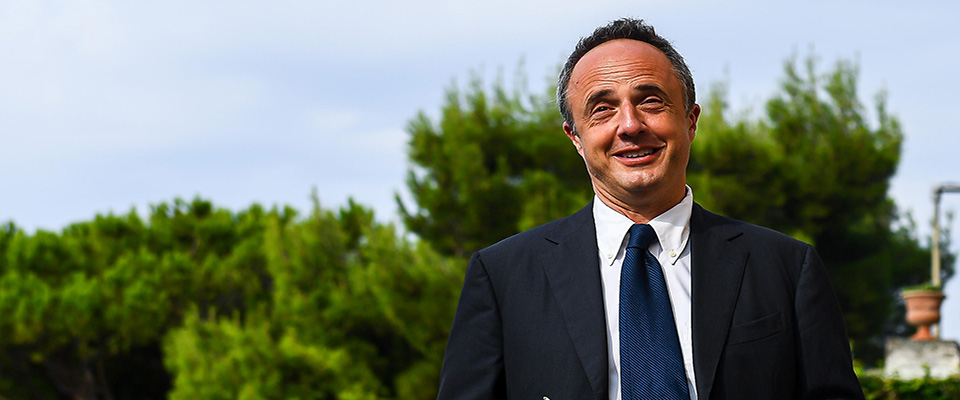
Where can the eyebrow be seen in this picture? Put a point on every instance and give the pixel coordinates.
(599, 95)
(595, 98)
(650, 87)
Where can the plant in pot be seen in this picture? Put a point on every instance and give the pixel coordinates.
(923, 308)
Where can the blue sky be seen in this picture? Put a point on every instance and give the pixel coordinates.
(109, 105)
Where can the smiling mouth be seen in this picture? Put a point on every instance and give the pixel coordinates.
(638, 153)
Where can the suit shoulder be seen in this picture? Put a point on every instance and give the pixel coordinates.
(760, 234)
(527, 242)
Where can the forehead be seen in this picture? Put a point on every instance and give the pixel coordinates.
(620, 61)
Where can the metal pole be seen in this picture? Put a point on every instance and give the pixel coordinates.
(935, 250)
(935, 242)
(938, 190)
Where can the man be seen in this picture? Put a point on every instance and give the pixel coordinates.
(643, 293)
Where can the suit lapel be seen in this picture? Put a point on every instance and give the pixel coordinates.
(572, 268)
(571, 265)
(717, 271)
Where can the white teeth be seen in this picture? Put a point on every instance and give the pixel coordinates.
(635, 154)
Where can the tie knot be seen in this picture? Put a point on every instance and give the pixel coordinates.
(641, 236)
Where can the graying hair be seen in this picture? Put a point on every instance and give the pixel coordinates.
(624, 28)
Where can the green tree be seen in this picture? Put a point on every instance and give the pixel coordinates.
(354, 312)
(201, 302)
(496, 163)
(87, 308)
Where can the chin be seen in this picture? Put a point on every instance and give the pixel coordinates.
(641, 184)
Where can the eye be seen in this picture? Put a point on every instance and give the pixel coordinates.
(652, 103)
(652, 100)
(601, 108)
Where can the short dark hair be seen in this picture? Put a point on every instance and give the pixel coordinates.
(624, 28)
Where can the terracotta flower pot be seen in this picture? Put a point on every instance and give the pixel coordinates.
(923, 310)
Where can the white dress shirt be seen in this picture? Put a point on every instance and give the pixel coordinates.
(673, 252)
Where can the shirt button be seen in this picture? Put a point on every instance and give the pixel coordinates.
(609, 255)
(673, 253)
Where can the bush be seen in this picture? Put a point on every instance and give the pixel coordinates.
(927, 388)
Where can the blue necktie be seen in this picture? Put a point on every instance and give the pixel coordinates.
(651, 364)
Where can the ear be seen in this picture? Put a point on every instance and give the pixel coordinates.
(574, 137)
(693, 116)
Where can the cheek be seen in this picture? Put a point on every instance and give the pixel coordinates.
(597, 142)
(594, 149)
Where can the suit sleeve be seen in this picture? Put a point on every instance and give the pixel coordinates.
(826, 366)
(473, 361)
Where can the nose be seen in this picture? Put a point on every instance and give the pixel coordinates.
(631, 122)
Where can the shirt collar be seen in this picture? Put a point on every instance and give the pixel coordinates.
(672, 228)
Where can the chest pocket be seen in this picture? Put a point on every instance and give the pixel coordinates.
(755, 330)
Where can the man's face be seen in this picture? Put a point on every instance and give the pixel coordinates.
(633, 131)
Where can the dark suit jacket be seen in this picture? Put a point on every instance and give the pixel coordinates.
(530, 322)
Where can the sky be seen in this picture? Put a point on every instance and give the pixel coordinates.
(108, 106)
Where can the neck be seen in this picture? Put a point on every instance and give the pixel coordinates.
(641, 208)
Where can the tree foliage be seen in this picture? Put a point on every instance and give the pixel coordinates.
(199, 302)
(926, 388)
(814, 166)
(492, 166)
